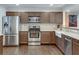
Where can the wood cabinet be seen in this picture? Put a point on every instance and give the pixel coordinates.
(23, 16)
(23, 37)
(1, 45)
(56, 17)
(34, 13)
(75, 47)
(52, 17)
(59, 17)
(45, 17)
(12, 13)
(47, 37)
(52, 37)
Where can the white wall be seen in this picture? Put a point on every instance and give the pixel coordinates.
(2, 13)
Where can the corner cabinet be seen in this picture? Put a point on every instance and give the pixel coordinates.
(75, 47)
(47, 37)
(56, 17)
(23, 37)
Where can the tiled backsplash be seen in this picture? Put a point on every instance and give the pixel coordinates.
(43, 27)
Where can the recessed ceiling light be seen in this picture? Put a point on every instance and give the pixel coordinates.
(17, 4)
(51, 4)
(67, 10)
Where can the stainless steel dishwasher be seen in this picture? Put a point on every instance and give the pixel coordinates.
(68, 45)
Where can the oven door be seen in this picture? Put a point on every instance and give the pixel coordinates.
(34, 34)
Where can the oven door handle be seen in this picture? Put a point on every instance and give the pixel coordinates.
(68, 39)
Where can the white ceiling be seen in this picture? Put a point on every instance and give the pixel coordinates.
(41, 7)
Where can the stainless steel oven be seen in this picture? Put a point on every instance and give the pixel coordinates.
(34, 35)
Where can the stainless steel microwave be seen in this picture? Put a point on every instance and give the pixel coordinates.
(34, 19)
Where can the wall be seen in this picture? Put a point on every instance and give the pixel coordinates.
(66, 19)
(2, 13)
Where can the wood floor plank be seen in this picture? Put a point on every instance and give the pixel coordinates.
(32, 50)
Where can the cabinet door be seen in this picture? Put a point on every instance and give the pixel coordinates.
(45, 37)
(1, 45)
(45, 17)
(23, 37)
(59, 17)
(75, 48)
(34, 13)
(24, 17)
(52, 38)
(52, 17)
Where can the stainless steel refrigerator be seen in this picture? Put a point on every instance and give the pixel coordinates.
(10, 30)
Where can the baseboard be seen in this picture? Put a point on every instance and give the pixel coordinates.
(10, 46)
(48, 44)
(23, 43)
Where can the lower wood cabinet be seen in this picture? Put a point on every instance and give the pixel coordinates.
(1, 45)
(75, 47)
(47, 37)
(23, 37)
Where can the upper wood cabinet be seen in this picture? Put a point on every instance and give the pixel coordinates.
(45, 17)
(59, 17)
(52, 17)
(23, 16)
(12, 14)
(56, 17)
(34, 13)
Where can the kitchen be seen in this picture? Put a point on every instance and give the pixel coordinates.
(39, 29)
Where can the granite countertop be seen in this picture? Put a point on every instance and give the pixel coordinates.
(73, 35)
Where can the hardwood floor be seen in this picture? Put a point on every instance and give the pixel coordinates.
(32, 50)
